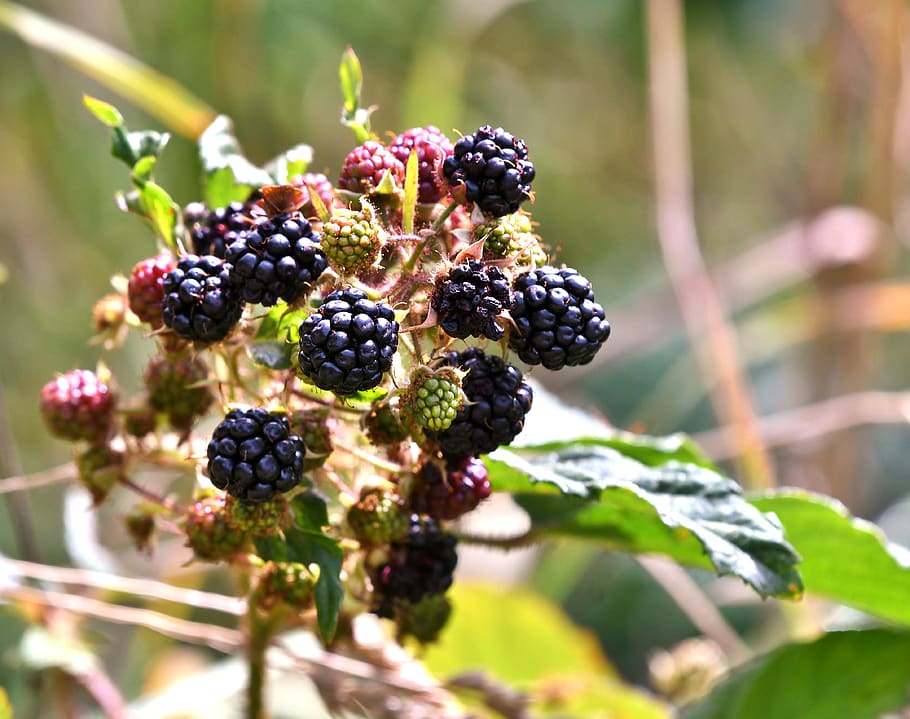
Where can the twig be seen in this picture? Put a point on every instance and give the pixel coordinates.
(696, 605)
(60, 473)
(369, 458)
(710, 334)
(219, 638)
(147, 588)
(105, 693)
(148, 494)
(813, 421)
(502, 699)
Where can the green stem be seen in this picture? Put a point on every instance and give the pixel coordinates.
(444, 216)
(260, 635)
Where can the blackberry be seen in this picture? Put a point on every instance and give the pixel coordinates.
(352, 239)
(208, 532)
(366, 165)
(434, 397)
(557, 321)
(279, 256)
(470, 298)
(176, 387)
(78, 405)
(432, 149)
(259, 520)
(199, 303)
(100, 468)
(378, 518)
(212, 231)
(493, 167)
(321, 185)
(498, 399)
(348, 342)
(288, 583)
(418, 566)
(450, 491)
(253, 455)
(511, 237)
(145, 289)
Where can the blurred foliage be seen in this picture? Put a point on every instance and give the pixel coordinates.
(787, 101)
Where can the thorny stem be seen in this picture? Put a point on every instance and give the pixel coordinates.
(517, 542)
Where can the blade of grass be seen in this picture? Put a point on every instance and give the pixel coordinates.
(160, 96)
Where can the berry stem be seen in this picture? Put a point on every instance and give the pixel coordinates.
(260, 635)
(438, 222)
(148, 494)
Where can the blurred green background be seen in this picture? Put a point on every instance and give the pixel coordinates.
(795, 109)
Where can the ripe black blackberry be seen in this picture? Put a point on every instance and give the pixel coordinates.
(557, 321)
(493, 167)
(498, 399)
(253, 455)
(365, 166)
(432, 149)
(348, 343)
(279, 258)
(78, 405)
(447, 492)
(212, 231)
(199, 303)
(470, 298)
(420, 565)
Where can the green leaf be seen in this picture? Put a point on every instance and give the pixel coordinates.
(844, 558)
(649, 450)
(273, 354)
(229, 176)
(272, 548)
(352, 114)
(687, 512)
(857, 674)
(290, 163)
(160, 96)
(161, 210)
(281, 323)
(105, 112)
(351, 75)
(310, 510)
(522, 639)
(409, 204)
(308, 548)
(6, 708)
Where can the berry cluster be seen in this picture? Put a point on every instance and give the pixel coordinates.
(375, 372)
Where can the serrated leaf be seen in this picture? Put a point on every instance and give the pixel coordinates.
(647, 449)
(310, 510)
(229, 176)
(103, 111)
(845, 559)
(687, 512)
(290, 163)
(409, 204)
(282, 324)
(273, 354)
(309, 547)
(857, 674)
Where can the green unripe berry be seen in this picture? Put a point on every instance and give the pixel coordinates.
(351, 239)
(434, 397)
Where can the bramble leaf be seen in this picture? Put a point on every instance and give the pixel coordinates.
(104, 111)
(310, 510)
(309, 547)
(687, 512)
(856, 674)
(289, 163)
(845, 559)
(229, 176)
(274, 354)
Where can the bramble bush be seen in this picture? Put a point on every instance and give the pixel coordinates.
(342, 372)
